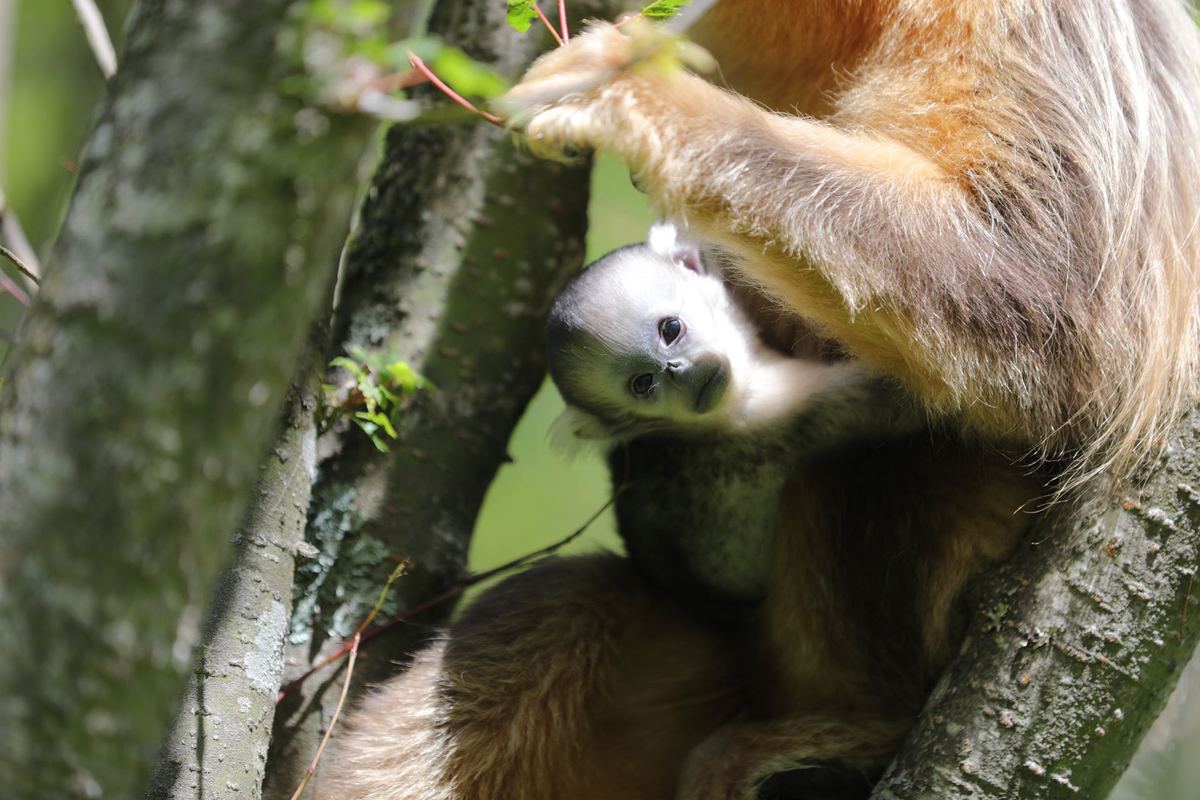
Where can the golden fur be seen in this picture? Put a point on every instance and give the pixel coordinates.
(996, 203)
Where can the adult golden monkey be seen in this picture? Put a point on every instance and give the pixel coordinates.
(993, 202)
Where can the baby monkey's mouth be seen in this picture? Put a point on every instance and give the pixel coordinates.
(713, 387)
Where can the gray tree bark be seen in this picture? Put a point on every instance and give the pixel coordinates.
(217, 746)
(1073, 651)
(147, 382)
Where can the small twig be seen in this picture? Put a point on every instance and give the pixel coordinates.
(549, 25)
(627, 18)
(20, 265)
(402, 617)
(562, 19)
(12, 232)
(337, 712)
(418, 64)
(97, 36)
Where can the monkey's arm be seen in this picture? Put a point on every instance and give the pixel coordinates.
(881, 247)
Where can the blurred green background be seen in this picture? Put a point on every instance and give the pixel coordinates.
(49, 85)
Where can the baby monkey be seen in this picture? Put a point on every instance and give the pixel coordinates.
(704, 421)
(772, 632)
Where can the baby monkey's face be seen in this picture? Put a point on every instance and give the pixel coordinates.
(663, 349)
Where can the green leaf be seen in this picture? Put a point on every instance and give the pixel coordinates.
(350, 365)
(426, 47)
(467, 76)
(320, 12)
(521, 14)
(374, 49)
(660, 10)
(386, 424)
(401, 376)
(364, 15)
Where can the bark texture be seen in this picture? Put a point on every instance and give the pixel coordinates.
(1073, 652)
(464, 242)
(148, 378)
(217, 746)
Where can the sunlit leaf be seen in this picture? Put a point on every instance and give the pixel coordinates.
(364, 15)
(424, 47)
(348, 364)
(663, 9)
(467, 76)
(320, 12)
(521, 14)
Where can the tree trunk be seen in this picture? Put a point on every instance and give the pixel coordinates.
(218, 743)
(463, 245)
(1073, 652)
(147, 381)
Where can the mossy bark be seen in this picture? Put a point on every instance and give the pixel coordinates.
(147, 382)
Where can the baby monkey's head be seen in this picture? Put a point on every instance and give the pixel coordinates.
(646, 339)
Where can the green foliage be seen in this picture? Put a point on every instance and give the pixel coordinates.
(375, 396)
(467, 76)
(661, 10)
(345, 53)
(353, 17)
(521, 14)
(464, 74)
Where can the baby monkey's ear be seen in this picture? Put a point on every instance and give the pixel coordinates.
(574, 432)
(664, 239)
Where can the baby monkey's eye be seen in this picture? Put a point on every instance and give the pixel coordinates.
(670, 329)
(642, 384)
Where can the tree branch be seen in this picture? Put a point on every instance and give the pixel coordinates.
(1073, 652)
(16, 261)
(146, 382)
(97, 36)
(219, 741)
(463, 244)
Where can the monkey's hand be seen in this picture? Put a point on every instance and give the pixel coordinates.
(798, 757)
(589, 93)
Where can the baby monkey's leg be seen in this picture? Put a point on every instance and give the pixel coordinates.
(569, 680)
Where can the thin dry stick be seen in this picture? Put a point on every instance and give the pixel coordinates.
(12, 232)
(458, 588)
(19, 264)
(549, 25)
(337, 712)
(399, 570)
(562, 19)
(419, 65)
(97, 36)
